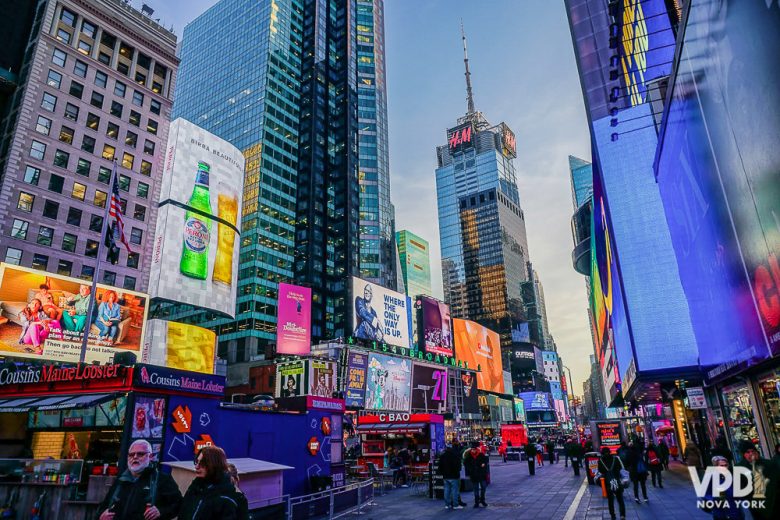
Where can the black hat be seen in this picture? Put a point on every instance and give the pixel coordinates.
(745, 446)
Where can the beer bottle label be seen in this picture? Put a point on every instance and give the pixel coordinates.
(196, 235)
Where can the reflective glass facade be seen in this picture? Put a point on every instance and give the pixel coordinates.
(581, 180)
(415, 263)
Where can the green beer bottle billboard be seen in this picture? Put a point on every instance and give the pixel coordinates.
(197, 228)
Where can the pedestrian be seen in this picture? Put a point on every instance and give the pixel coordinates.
(210, 496)
(551, 450)
(610, 467)
(724, 505)
(502, 451)
(637, 470)
(721, 449)
(449, 468)
(766, 483)
(692, 456)
(654, 465)
(566, 450)
(530, 457)
(478, 471)
(142, 492)
(577, 452)
(622, 452)
(539, 455)
(663, 453)
(776, 456)
(238, 495)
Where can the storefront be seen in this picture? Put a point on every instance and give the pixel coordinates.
(769, 401)
(738, 414)
(421, 434)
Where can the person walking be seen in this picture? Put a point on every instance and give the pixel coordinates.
(691, 456)
(654, 465)
(530, 457)
(577, 452)
(637, 470)
(211, 494)
(663, 453)
(449, 468)
(142, 492)
(609, 470)
(551, 450)
(478, 471)
(239, 496)
(539, 455)
(725, 507)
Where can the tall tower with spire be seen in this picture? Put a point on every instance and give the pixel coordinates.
(481, 223)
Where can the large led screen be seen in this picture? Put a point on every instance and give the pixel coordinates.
(480, 347)
(45, 317)
(180, 345)
(429, 389)
(196, 245)
(436, 326)
(355, 386)
(380, 314)
(389, 383)
(293, 324)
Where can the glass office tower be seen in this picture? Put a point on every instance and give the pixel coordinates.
(581, 180)
(414, 255)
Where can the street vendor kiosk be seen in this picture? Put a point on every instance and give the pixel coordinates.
(422, 434)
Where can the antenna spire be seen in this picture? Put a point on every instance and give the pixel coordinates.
(469, 92)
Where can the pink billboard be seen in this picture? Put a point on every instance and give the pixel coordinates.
(293, 324)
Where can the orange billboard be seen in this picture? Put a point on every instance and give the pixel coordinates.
(480, 347)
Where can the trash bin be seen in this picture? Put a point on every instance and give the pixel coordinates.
(592, 466)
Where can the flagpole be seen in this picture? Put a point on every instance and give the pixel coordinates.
(101, 244)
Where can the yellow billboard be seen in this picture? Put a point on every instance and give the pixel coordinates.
(180, 345)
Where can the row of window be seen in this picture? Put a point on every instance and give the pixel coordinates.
(13, 256)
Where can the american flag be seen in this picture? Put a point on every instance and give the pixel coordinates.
(117, 230)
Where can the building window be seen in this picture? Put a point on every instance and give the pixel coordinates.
(96, 223)
(131, 138)
(146, 168)
(109, 278)
(55, 183)
(31, 175)
(19, 229)
(37, 150)
(101, 79)
(138, 98)
(25, 201)
(80, 69)
(156, 87)
(136, 235)
(124, 182)
(120, 89)
(87, 272)
(51, 209)
(13, 256)
(63, 36)
(74, 217)
(88, 144)
(116, 109)
(123, 68)
(64, 267)
(43, 126)
(91, 249)
(104, 58)
(69, 242)
(79, 191)
(155, 107)
(135, 118)
(100, 199)
(139, 213)
(104, 175)
(54, 79)
(61, 159)
(59, 58)
(40, 261)
(140, 78)
(127, 160)
(49, 102)
(151, 127)
(129, 283)
(96, 100)
(45, 235)
(148, 147)
(76, 89)
(68, 17)
(66, 134)
(83, 167)
(71, 112)
(85, 48)
(142, 190)
(88, 29)
(112, 130)
(108, 152)
(132, 260)
(93, 121)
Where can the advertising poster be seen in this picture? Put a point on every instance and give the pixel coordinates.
(380, 314)
(389, 383)
(322, 378)
(148, 417)
(437, 326)
(609, 435)
(180, 345)
(429, 389)
(46, 315)
(357, 366)
(480, 347)
(43, 419)
(195, 255)
(293, 325)
(111, 413)
(468, 381)
(290, 379)
(519, 410)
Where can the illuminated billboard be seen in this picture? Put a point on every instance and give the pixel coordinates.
(293, 323)
(180, 345)
(461, 137)
(380, 314)
(322, 378)
(436, 326)
(196, 244)
(480, 347)
(429, 389)
(533, 401)
(355, 386)
(291, 379)
(389, 382)
(48, 323)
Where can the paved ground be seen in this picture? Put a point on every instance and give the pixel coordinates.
(553, 493)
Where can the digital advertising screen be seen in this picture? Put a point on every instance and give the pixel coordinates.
(533, 401)
(480, 347)
(436, 326)
(389, 382)
(196, 244)
(429, 389)
(291, 379)
(355, 387)
(322, 378)
(46, 316)
(380, 314)
(468, 385)
(609, 435)
(180, 345)
(293, 324)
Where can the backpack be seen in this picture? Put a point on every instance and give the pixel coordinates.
(652, 457)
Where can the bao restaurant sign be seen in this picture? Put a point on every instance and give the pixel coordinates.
(179, 380)
(47, 374)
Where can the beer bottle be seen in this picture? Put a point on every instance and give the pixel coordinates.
(197, 228)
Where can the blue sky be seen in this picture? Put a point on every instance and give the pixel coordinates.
(523, 73)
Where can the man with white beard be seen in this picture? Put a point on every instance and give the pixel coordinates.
(142, 492)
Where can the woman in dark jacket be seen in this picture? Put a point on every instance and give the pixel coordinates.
(211, 496)
(637, 470)
(609, 469)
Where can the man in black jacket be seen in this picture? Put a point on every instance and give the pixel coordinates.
(142, 492)
(449, 467)
(478, 470)
(530, 455)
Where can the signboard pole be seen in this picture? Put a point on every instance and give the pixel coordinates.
(93, 290)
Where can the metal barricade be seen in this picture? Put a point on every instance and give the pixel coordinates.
(332, 503)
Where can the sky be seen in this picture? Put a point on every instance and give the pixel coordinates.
(523, 73)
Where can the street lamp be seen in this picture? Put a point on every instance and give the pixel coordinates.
(571, 390)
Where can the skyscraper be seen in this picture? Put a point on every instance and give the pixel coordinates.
(95, 87)
(415, 260)
(581, 180)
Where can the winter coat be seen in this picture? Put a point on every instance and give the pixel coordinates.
(477, 467)
(450, 464)
(692, 456)
(207, 501)
(129, 496)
